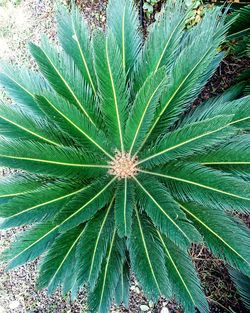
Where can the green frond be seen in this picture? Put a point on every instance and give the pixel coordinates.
(42, 203)
(93, 246)
(35, 242)
(165, 213)
(143, 110)
(21, 85)
(220, 106)
(183, 277)
(85, 204)
(240, 26)
(74, 37)
(206, 108)
(232, 157)
(18, 184)
(234, 249)
(112, 85)
(100, 299)
(234, 152)
(29, 126)
(41, 158)
(122, 288)
(74, 123)
(162, 45)
(147, 256)
(193, 66)
(191, 139)
(59, 264)
(206, 186)
(62, 74)
(242, 284)
(124, 205)
(245, 75)
(240, 171)
(30, 244)
(123, 22)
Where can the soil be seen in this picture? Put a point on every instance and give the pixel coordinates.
(17, 287)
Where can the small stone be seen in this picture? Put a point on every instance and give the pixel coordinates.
(2, 310)
(14, 304)
(137, 290)
(151, 304)
(144, 307)
(165, 310)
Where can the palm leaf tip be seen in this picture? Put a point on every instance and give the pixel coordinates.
(112, 176)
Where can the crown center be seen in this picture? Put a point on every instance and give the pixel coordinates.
(123, 166)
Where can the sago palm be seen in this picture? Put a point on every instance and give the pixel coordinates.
(115, 176)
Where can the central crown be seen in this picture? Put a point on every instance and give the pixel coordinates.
(123, 165)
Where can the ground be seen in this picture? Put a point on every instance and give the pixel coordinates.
(22, 21)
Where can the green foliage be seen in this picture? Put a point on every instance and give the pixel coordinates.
(242, 283)
(238, 39)
(240, 27)
(148, 7)
(114, 178)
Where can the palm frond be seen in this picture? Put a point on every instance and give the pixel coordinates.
(21, 85)
(73, 122)
(234, 152)
(85, 204)
(30, 244)
(161, 50)
(231, 157)
(147, 256)
(123, 21)
(100, 299)
(27, 125)
(124, 205)
(19, 184)
(234, 249)
(122, 288)
(74, 37)
(240, 26)
(193, 66)
(42, 203)
(191, 139)
(240, 171)
(58, 265)
(165, 212)
(194, 182)
(62, 74)
(93, 246)
(219, 106)
(242, 284)
(143, 110)
(41, 158)
(112, 85)
(183, 277)
(206, 108)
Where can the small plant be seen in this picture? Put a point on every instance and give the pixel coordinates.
(238, 39)
(239, 32)
(195, 7)
(115, 178)
(148, 7)
(197, 12)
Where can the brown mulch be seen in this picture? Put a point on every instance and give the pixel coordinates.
(225, 76)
